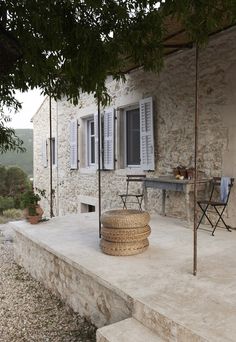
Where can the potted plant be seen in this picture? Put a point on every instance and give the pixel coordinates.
(33, 211)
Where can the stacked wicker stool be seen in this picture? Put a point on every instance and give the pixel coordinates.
(125, 232)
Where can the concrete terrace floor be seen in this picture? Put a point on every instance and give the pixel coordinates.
(161, 277)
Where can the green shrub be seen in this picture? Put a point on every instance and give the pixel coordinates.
(30, 200)
(13, 213)
(6, 203)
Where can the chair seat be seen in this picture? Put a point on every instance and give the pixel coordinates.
(131, 195)
(213, 203)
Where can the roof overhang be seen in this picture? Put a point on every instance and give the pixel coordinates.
(176, 38)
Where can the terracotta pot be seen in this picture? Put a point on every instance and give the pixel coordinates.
(38, 209)
(175, 171)
(191, 173)
(34, 219)
(183, 172)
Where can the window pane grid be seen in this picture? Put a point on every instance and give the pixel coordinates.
(91, 143)
(132, 137)
(53, 151)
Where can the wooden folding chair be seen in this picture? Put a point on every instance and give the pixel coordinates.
(130, 197)
(219, 206)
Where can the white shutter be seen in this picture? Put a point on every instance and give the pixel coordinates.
(74, 144)
(146, 134)
(44, 153)
(109, 139)
(96, 139)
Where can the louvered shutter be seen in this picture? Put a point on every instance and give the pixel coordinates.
(109, 139)
(44, 153)
(96, 139)
(146, 134)
(74, 144)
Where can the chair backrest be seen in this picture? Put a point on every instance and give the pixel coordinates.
(134, 178)
(216, 183)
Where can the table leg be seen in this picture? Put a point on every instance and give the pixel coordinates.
(206, 196)
(145, 197)
(188, 210)
(164, 202)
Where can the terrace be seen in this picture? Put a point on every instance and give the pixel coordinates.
(153, 295)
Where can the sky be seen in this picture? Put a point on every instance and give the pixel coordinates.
(31, 101)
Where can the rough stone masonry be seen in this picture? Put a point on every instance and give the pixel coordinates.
(173, 95)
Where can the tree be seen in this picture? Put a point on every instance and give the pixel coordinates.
(8, 139)
(16, 181)
(13, 182)
(70, 46)
(3, 174)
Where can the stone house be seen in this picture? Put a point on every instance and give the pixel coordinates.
(166, 100)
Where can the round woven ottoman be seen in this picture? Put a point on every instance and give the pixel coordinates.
(125, 232)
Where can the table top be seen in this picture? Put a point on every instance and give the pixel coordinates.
(169, 179)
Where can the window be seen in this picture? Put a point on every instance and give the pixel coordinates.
(87, 208)
(73, 144)
(132, 137)
(89, 148)
(136, 136)
(53, 151)
(44, 153)
(91, 142)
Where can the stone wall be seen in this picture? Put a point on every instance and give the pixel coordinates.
(84, 293)
(173, 94)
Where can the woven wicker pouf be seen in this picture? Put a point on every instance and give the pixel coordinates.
(125, 232)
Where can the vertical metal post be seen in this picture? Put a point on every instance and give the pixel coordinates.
(99, 166)
(50, 155)
(196, 119)
(56, 194)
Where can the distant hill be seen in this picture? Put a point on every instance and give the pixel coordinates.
(22, 160)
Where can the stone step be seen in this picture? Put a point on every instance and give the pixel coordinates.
(128, 330)
(164, 326)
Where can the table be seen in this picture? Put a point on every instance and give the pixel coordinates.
(167, 183)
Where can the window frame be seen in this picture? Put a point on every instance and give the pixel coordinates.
(44, 152)
(127, 109)
(89, 121)
(74, 144)
(53, 151)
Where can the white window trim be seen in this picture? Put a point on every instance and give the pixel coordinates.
(74, 148)
(89, 136)
(45, 153)
(86, 167)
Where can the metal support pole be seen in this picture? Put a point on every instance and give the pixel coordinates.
(196, 119)
(50, 155)
(99, 167)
